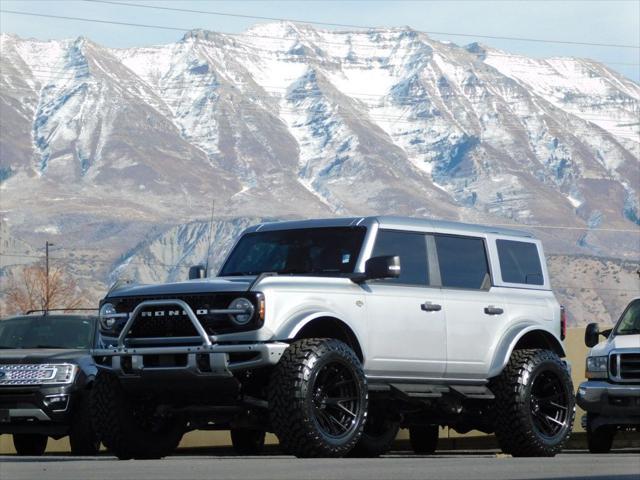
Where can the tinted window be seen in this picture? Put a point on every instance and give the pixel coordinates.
(412, 250)
(463, 262)
(47, 332)
(519, 262)
(305, 250)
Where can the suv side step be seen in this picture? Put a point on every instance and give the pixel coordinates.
(423, 390)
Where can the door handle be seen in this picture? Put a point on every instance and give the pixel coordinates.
(491, 310)
(430, 307)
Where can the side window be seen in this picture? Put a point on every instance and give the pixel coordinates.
(412, 250)
(519, 262)
(463, 262)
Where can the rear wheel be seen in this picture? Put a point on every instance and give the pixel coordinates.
(599, 440)
(378, 435)
(534, 404)
(131, 428)
(318, 398)
(31, 444)
(247, 442)
(424, 438)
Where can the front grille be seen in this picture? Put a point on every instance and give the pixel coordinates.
(630, 366)
(175, 323)
(625, 366)
(25, 374)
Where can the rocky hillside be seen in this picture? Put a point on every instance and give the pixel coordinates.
(104, 150)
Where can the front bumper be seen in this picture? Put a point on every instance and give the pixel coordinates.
(185, 364)
(45, 410)
(182, 363)
(613, 404)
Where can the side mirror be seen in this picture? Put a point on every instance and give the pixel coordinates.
(591, 335)
(382, 267)
(197, 271)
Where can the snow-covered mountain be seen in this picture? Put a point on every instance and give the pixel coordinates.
(121, 145)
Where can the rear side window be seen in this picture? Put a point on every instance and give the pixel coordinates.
(412, 250)
(463, 262)
(519, 262)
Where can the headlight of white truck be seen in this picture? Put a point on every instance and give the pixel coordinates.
(596, 367)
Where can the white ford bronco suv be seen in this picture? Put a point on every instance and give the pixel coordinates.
(611, 394)
(333, 334)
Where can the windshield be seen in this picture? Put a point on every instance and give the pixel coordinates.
(47, 332)
(629, 323)
(328, 251)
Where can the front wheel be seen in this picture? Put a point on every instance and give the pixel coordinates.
(599, 440)
(31, 444)
(534, 404)
(128, 427)
(82, 436)
(318, 398)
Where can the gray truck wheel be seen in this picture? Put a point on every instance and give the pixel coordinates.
(424, 438)
(82, 436)
(601, 439)
(128, 428)
(31, 444)
(534, 404)
(318, 398)
(247, 442)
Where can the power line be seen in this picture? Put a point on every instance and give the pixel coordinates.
(368, 27)
(165, 27)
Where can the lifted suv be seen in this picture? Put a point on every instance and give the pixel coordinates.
(611, 395)
(333, 334)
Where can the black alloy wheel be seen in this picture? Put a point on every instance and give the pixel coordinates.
(534, 405)
(336, 400)
(318, 398)
(549, 404)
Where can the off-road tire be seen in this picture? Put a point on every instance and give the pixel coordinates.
(82, 436)
(515, 429)
(424, 438)
(30, 444)
(377, 437)
(601, 439)
(247, 442)
(117, 427)
(291, 398)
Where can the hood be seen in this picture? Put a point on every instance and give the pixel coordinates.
(626, 341)
(201, 285)
(44, 355)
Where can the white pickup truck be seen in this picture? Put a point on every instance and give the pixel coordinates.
(611, 394)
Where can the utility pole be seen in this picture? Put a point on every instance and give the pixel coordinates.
(46, 300)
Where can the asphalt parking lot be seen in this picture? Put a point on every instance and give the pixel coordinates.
(622, 465)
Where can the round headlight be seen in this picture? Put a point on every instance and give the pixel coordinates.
(107, 321)
(241, 304)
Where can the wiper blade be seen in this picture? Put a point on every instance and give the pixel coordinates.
(46, 346)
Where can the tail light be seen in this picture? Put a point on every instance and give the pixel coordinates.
(563, 323)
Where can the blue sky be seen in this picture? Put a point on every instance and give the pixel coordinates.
(594, 21)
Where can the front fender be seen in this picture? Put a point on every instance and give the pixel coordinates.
(290, 328)
(511, 338)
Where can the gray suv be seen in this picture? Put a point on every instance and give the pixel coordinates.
(333, 334)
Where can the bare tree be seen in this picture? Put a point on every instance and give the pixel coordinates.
(30, 291)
